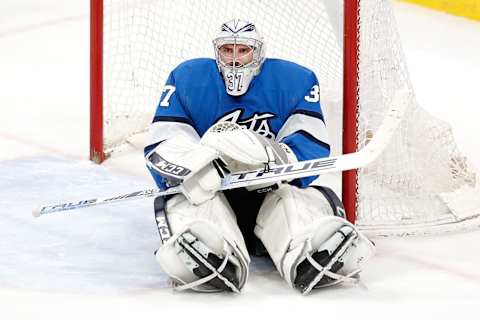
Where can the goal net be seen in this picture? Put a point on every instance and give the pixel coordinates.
(420, 184)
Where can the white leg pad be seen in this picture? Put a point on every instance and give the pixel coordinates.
(214, 224)
(293, 223)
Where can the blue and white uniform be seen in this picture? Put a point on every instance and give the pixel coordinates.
(282, 103)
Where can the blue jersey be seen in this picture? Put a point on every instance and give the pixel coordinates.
(282, 103)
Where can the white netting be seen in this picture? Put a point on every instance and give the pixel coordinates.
(405, 190)
(411, 182)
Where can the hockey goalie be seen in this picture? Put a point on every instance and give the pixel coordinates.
(243, 111)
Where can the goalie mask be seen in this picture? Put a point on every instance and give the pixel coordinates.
(239, 52)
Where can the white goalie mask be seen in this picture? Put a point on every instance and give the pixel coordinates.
(239, 52)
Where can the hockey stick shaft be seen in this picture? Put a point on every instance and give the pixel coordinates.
(275, 173)
(72, 205)
(235, 180)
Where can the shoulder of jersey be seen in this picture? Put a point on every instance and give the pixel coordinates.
(198, 65)
(287, 76)
(287, 67)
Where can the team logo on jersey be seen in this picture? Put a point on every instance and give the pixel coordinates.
(258, 122)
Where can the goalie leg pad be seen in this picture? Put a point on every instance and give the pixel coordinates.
(309, 245)
(335, 203)
(206, 251)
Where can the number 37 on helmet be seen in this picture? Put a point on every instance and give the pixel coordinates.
(240, 53)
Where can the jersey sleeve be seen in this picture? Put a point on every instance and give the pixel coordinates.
(304, 131)
(171, 118)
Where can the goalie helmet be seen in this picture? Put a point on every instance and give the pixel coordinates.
(240, 53)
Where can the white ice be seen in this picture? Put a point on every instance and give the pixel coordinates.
(99, 263)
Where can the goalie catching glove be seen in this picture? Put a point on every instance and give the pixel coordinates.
(243, 149)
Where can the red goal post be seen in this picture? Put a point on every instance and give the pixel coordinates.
(350, 102)
(97, 153)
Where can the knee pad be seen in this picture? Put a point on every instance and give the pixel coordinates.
(206, 250)
(333, 200)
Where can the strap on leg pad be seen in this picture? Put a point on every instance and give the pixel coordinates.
(319, 269)
(213, 270)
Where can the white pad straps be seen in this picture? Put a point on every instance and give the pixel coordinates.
(184, 242)
(325, 270)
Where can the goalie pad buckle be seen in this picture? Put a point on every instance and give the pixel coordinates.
(212, 270)
(320, 268)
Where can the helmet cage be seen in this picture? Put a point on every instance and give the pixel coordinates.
(237, 75)
(254, 44)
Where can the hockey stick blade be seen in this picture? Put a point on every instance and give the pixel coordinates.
(274, 173)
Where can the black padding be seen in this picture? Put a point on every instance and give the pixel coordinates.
(161, 219)
(245, 205)
(214, 261)
(335, 203)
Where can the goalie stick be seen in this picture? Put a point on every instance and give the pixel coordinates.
(273, 173)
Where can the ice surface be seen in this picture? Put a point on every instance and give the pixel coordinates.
(103, 249)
